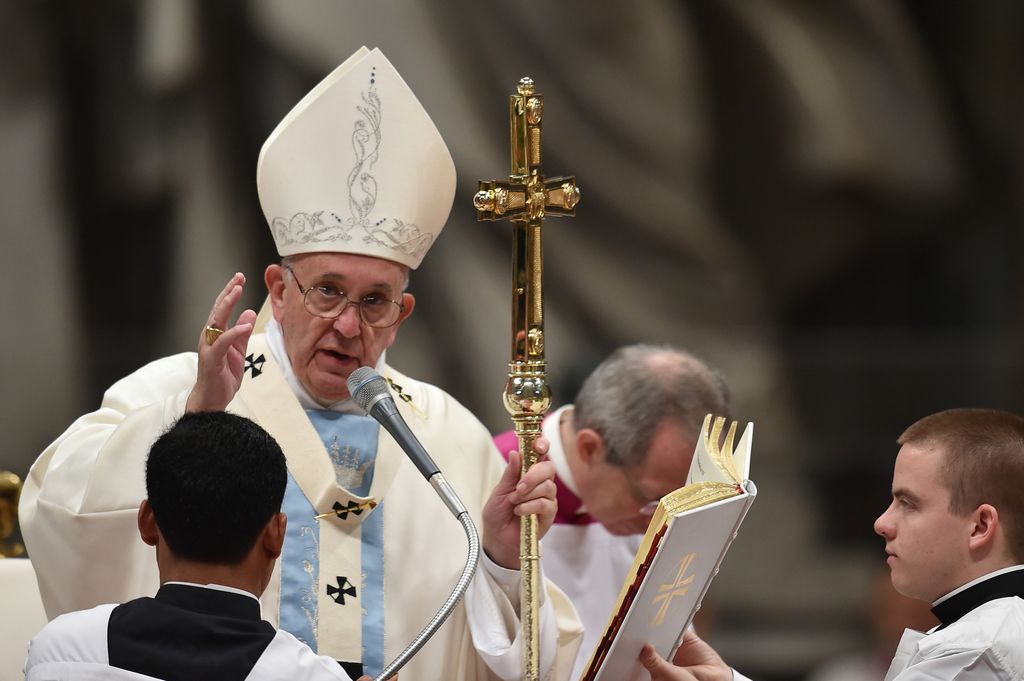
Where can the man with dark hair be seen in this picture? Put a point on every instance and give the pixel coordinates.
(625, 442)
(954, 537)
(216, 463)
(215, 482)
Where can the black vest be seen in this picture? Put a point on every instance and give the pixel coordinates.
(188, 633)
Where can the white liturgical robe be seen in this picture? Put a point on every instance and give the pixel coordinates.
(80, 501)
(981, 637)
(187, 631)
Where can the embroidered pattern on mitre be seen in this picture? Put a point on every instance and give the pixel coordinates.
(387, 124)
(361, 184)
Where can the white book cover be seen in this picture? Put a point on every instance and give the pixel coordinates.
(680, 555)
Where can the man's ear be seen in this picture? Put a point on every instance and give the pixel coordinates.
(408, 304)
(275, 278)
(148, 529)
(590, 446)
(273, 535)
(985, 528)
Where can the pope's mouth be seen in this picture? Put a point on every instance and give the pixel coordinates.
(335, 359)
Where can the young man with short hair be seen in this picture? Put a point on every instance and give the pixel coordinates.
(954, 536)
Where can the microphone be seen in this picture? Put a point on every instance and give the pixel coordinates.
(370, 391)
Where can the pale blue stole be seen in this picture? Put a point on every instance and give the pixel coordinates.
(351, 444)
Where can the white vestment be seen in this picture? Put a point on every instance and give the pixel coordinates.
(986, 644)
(74, 647)
(590, 565)
(79, 506)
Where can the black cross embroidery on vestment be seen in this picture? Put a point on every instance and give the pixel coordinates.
(254, 365)
(343, 511)
(344, 588)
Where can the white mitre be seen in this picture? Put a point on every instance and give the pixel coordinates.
(357, 167)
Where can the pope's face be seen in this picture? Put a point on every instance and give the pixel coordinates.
(622, 498)
(926, 545)
(324, 352)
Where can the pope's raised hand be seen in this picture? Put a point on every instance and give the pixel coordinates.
(222, 362)
(513, 498)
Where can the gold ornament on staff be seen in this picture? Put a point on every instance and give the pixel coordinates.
(525, 199)
(10, 492)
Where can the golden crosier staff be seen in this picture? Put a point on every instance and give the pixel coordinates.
(10, 492)
(525, 198)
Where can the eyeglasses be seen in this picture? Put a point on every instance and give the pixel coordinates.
(649, 506)
(328, 302)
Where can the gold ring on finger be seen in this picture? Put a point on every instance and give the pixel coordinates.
(212, 334)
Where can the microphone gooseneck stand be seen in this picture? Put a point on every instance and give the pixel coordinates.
(460, 589)
(369, 390)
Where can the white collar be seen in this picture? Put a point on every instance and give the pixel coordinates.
(552, 430)
(222, 587)
(971, 583)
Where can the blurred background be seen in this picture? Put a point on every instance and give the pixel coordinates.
(824, 199)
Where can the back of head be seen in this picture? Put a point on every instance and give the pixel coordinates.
(637, 387)
(214, 480)
(983, 463)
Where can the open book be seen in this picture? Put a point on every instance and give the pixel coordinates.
(680, 554)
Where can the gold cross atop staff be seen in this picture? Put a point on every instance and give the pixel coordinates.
(525, 199)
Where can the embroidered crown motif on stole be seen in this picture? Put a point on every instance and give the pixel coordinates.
(349, 468)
